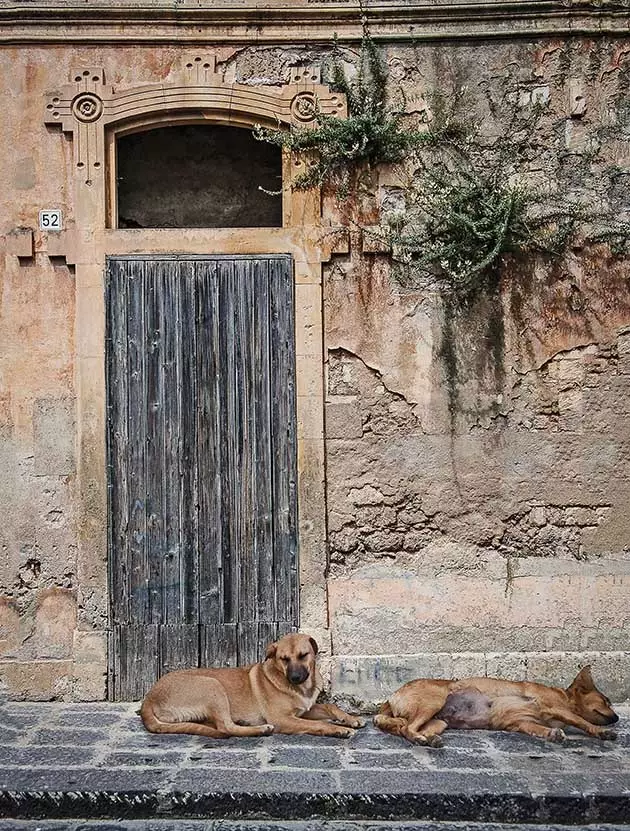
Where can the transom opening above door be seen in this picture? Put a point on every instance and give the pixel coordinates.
(197, 176)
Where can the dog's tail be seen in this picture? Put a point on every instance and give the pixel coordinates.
(386, 721)
(154, 725)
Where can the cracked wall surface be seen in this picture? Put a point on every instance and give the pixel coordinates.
(478, 458)
(476, 507)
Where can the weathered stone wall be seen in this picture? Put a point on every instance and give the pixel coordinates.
(478, 456)
(477, 463)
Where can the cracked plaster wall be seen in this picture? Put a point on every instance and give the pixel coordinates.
(478, 460)
(476, 513)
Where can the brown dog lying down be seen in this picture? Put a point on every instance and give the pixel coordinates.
(277, 695)
(422, 709)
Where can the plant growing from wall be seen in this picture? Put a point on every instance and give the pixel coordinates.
(373, 132)
(467, 202)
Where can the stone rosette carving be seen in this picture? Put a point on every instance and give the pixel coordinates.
(304, 106)
(87, 107)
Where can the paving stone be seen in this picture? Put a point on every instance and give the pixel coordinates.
(468, 739)
(570, 783)
(155, 759)
(76, 738)
(20, 719)
(455, 758)
(81, 779)
(256, 781)
(204, 757)
(401, 760)
(370, 738)
(90, 719)
(305, 741)
(44, 756)
(304, 757)
(424, 781)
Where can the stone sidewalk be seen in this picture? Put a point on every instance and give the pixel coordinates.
(90, 761)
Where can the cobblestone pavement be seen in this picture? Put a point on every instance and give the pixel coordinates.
(74, 762)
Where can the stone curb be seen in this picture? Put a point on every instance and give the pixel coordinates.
(572, 809)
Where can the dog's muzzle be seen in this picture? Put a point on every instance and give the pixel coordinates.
(297, 674)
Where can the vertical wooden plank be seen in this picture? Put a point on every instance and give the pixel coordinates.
(136, 657)
(248, 645)
(262, 504)
(189, 438)
(179, 647)
(230, 432)
(155, 435)
(117, 441)
(267, 633)
(137, 430)
(218, 645)
(169, 465)
(284, 439)
(247, 571)
(208, 459)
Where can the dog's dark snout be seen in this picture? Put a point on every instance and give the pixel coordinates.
(613, 719)
(297, 674)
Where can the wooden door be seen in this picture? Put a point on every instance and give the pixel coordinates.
(201, 444)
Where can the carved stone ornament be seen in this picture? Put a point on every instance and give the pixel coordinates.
(87, 106)
(304, 106)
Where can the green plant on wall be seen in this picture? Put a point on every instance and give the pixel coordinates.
(372, 134)
(468, 198)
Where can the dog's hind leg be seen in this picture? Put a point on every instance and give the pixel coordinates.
(390, 724)
(429, 733)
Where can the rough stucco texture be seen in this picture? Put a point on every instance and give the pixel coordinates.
(478, 459)
(479, 505)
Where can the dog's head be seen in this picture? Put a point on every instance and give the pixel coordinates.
(589, 702)
(294, 656)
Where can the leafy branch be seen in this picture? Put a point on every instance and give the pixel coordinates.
(372, 134)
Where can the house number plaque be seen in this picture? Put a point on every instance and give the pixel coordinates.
(50, 220)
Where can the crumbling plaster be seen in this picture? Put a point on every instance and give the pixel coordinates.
(478, 456)
(475, 522)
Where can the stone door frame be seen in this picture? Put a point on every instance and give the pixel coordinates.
(93, 114)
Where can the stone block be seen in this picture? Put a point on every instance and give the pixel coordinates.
(19, 242)
(623, 346)
(317, 758)
(9, 627)
(89, 681)
(54, 624)
(90, 647)
(54, 436)
(37, 680)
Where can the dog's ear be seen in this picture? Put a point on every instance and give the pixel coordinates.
(271, 650)
(583, 681)
(314, 645)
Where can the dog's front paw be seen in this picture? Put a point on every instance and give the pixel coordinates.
(344, 732)
(608, 735)
(357, 722)
(556, 735)
(266, 729)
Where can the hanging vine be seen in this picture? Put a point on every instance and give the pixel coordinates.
(467, 200)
